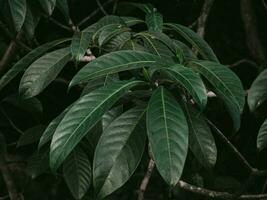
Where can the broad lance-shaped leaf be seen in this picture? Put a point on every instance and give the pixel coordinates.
(154, 21)
(77, 172)
(201, 141)
(24, 62)
(42, 72)
(82, 116)
(18, 10)
(195, 40)
(110, 115)
(190, 81)
(119, 151)
(48, 5)
(257, 93)
(262, 136)
(167, 134)
(112, 63)
(226, 85)
(109, 32)
(51, 128)
(80, 44)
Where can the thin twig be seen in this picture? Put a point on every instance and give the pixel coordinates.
(239, 62)
(215, 194)
(101, 7)
(92, 14)
(145, 180)
(232, 147)
(59, 24)
(115, 5)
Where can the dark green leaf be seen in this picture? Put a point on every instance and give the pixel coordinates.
(195, 40)
(191, 81)
(42, 72)
(64, 8)
(80, 43)
(168, 135)
(77, 172)
(226, 85)
(201, 140)
(110, 115)
(154, 21)
(48, 5)
(119, 151)
(24, 62)
(82, 116)
(112, 63)
(18, 10)
(262, 136)
(257, 93)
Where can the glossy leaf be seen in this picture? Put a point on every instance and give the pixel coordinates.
(119, 151)
(154, 21)
(110, 115)
(131, 21)
(257, 93)
(24, 62)
(18, 10)
(109, 32)
(51, 128)
(117, 42)
(226, 85)
(82, 116)
(42, 72)
(77, 172)
(31, 135)
(112, 63)
(48, 5)
(80, 43)
(191, 81)
(262, 136)
(201, 140)
(168, 135)
(195, 40)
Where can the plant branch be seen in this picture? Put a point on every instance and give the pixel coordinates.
(145, 180)
(232, 147)
(244, 60)
(202, 19)
(250, 25)
(101, 7)
(92, 14)
(215, 194)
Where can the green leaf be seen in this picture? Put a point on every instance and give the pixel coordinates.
(18, 10)
(154, 21)
(191, 81)
(108, 32)
(63, 6)
(112, 63)
(31, 135)
(167, 134)
(51, 128)
(257, 93)
(262, 136)
(24, 62)
(195, 40)
(82, 116)
(201, 140)
(48, 5)
(77, 172)
(42, 72)
(80, 43)
(110, 115)
(38, 163)
(117, 42)
(119, 151)
(31, 21)
(226, 85)
(131, 21)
